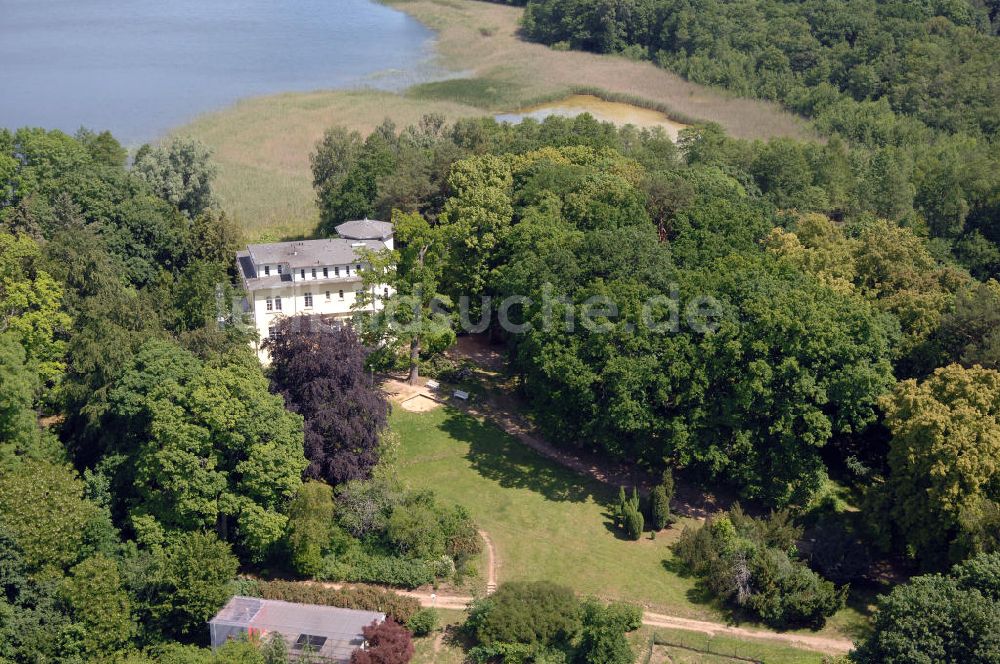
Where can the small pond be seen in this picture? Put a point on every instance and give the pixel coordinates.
(606, 111)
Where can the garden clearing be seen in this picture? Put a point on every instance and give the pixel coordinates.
(548, 522)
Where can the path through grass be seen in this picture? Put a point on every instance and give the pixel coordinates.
(546, 521)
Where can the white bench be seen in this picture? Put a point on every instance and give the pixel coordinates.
(433, 384)
(459, 394)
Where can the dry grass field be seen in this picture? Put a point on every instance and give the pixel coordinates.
(262, 145)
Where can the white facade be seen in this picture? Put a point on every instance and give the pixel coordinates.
(318, 278)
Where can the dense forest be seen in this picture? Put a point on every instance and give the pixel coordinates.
(913, 87)
(855, 346)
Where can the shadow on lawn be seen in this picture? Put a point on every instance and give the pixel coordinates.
(496, 456)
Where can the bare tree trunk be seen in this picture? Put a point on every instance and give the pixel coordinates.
(414, 360)
(222, 526)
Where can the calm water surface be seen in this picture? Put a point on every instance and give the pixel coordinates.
(140, 67)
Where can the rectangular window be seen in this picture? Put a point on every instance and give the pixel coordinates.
(326, 272)
(272, 332)
(302, 273)
(277, 303)
(314, 273)
(385, 293)
(341, 293)
(309, 300)
(269, 304)
(359, 267)
(336, 271)
(267, 270)
(328, 296)
(279, 269)
(348, 268)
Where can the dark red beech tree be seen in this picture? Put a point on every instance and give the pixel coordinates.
(320, 371)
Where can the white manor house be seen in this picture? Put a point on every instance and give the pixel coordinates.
(318, 278)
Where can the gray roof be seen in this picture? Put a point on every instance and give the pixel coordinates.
(312, 253)
(341, 628)
(365, 229)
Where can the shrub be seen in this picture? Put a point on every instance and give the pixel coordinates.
(423, 622)
(369, 567)
(363, 598)
(388, 643)
(628, 515)
(310, 526)
(659, 508)
(528, 612)
(752, 564)
(634, 523)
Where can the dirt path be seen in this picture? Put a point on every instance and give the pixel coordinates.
(491, 563)
(502, 408)
(823, 644)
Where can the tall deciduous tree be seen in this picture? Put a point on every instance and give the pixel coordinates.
(180, 172)
(944, 459)
(414, 316)
(208, 444)
(321, 374)
(100, 607)
(934, 618)
(42, 507)
(310, 526)
(30, 305)
(192, 582)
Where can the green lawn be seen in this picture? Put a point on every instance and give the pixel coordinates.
(680, 647)
(441, 646)
(546, 522)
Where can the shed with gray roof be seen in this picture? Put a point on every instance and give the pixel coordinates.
(326, 633)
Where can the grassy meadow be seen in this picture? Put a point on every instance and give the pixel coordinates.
(548, 522)
(262, 145)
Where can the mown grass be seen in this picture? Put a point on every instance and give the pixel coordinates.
(441, 646)
(696, 648)
(550, 523)
(546, 521)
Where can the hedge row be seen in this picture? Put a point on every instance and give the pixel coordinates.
(364, 598)
(388, 570)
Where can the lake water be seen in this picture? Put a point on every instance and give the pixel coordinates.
(141, 67)
(603, 110)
